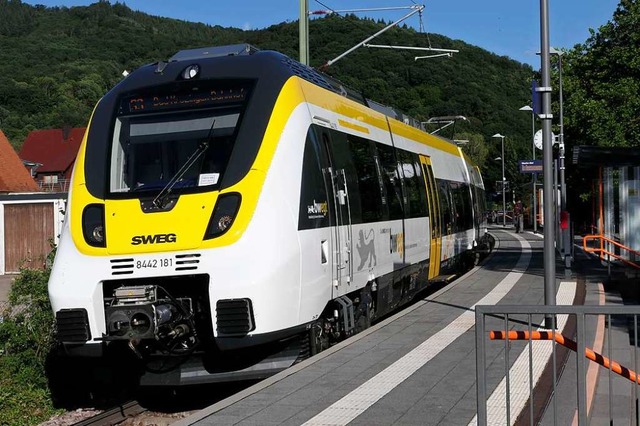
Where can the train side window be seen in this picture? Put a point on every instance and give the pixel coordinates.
(368, 183)
(458, 205)
(342, 160)
(461, 197)
(315, 211)
(445, 206)
(420, 181)
(416, 203)
(468, 206)
(480, 203)
(391, 179)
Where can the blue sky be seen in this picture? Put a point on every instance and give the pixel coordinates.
(505, 27)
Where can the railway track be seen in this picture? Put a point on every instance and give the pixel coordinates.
(163, 406)
(114, 415)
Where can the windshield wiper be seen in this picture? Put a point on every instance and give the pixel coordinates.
(161, 198)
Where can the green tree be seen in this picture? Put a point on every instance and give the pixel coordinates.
(602, 81)
(56, 63)
(26, 333)
(476, 147)
(602, 107)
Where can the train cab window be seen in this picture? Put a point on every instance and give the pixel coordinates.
(191, 148)
(368, 182)
(391, 180)
(416, 201)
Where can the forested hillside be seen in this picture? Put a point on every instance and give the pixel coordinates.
(55, 63)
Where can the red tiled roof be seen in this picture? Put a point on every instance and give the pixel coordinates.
(14, 176)
(52, 150)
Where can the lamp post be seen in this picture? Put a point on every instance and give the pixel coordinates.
(504, 200)
(535, 175)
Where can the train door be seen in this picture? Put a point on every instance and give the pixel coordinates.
(435, 223)
(336, 177)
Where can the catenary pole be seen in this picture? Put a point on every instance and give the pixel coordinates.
(547, 154)
(304, 32)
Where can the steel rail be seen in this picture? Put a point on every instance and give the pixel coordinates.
(114, 415)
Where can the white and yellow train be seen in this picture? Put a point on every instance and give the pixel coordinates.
(232, 211)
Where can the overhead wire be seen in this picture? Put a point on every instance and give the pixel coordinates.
(359, 26)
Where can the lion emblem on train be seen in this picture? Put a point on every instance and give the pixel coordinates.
(366, 249)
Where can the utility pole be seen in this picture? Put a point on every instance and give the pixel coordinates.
(547, 151)
(304, 32)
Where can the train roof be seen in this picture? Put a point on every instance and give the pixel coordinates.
(303, 71)
(235, 64)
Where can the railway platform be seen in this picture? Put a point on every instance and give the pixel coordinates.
(418, 367)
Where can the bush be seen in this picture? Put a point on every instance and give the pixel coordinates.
(26, 338)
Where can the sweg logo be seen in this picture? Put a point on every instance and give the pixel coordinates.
(153, 239)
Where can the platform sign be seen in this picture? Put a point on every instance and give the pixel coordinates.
(499, 186)
(536, 98)
(530, 166)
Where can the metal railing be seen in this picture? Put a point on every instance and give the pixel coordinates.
(61, 185)
(504, 366)
(602, 250)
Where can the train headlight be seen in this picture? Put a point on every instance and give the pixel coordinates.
(223, 215)
(93, 228)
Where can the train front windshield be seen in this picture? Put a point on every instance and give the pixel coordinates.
(180, 136)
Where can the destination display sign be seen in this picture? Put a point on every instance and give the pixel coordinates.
(192, 97)
(530, 166)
